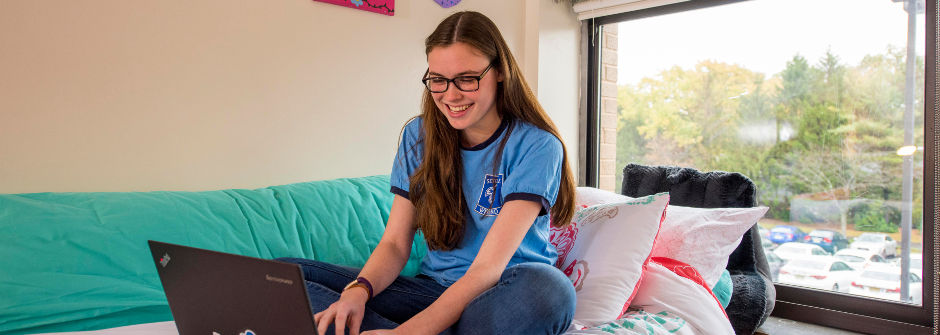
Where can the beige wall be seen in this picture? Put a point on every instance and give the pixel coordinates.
(111, 95)
(558, 71)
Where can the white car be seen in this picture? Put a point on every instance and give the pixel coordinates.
(878, 243)
(917, 263)
(820, 272)
(791, 250)
(859, 259)
(884, 281)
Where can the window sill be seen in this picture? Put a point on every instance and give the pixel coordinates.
(780, 326)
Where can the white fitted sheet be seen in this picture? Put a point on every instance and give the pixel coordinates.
(155, 328)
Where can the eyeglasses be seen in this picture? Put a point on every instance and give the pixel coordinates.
(463, 83)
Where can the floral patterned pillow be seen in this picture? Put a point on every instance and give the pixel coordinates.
(604, 252)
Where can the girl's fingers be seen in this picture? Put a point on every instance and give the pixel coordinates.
(325, 318)
(355, 321)
(341, 316)
(340, 323)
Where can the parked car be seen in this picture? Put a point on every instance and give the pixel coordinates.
(784, 233)
(884, 281)
(820, 272)
(768, 246)
(789, 251)
(879, 243)
(829, 240)
(764, 232)
(859, 259)
(775, 263)
(917, 263)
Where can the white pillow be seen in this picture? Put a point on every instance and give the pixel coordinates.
(704, 237)
(700, 237)
(590, 196)
(604, 251)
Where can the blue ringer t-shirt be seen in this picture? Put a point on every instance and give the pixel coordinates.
(530, 169)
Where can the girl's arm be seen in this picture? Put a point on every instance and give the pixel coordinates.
(500, 244)
(383, 266)
(391, 255)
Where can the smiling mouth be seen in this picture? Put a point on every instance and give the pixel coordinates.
(458, 109)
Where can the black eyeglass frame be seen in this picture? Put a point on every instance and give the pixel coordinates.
(454, 81)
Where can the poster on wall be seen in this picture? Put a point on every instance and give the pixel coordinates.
(386, 7)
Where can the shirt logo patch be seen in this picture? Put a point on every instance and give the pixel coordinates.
(490, 200)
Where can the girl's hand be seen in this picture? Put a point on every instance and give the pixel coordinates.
(381, 332)
(345, 312)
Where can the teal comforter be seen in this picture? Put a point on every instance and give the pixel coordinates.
(80, 261)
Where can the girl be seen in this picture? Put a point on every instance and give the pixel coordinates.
(479, 172)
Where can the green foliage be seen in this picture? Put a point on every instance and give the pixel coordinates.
(668, 120)
(779, 210)
(832, 87)
(876, 223)
(876, 216)
(824, 130)
(757, 104)
(631, 145)
(818, 127)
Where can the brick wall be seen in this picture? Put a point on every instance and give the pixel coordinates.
(608, 118)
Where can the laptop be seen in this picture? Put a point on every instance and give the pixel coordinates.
(215, 293)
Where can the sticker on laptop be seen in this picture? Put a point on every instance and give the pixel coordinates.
(165, 260)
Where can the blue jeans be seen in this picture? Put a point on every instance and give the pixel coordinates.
(530, 298)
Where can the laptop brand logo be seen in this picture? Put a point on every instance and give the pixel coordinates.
(165, 260)
(278, 280)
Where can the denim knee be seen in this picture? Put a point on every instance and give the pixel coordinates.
(529, 298)
(551, 292)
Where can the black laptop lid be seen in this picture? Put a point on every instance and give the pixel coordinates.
(211, 292)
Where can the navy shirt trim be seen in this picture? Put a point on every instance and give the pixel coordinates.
(400, 192)
(499, 131)
(531, 197)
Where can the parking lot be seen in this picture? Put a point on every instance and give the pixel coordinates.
(858, 263)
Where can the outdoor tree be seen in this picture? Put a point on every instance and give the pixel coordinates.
(673, 113)
(795, 92)
(826, 130)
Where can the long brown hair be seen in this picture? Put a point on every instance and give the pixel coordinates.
(436, 190)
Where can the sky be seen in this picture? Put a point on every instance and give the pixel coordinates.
(762, 35)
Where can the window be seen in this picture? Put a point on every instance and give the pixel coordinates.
(839, 266)
(819, 102)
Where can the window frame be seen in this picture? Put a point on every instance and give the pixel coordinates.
(817, 307)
